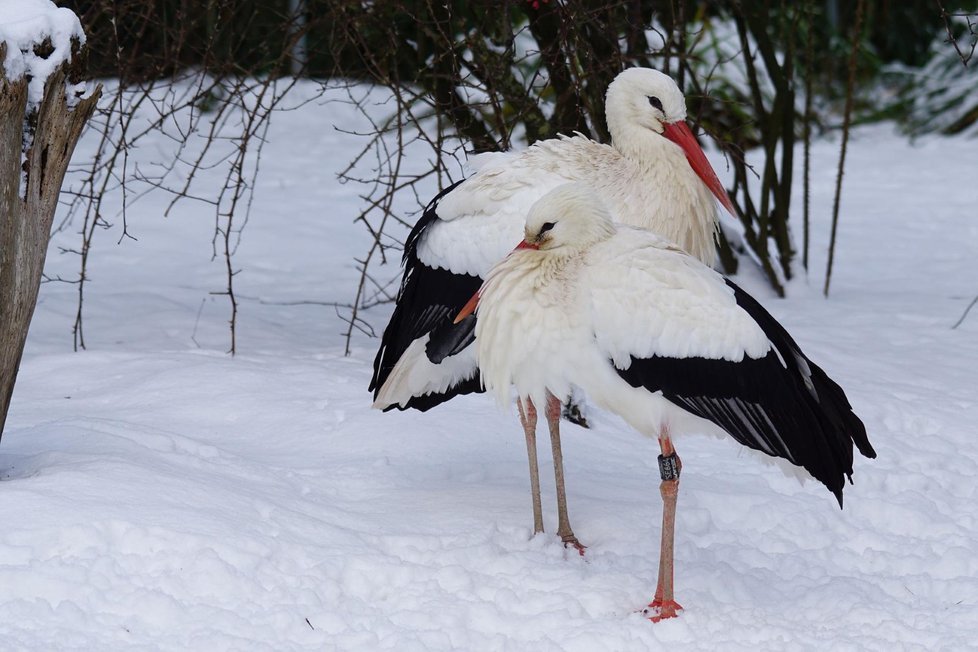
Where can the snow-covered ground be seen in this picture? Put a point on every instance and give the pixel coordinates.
(159, 494)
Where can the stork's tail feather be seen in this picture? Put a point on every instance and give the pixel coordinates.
(834, 400)
(395, 389)
(417, 383)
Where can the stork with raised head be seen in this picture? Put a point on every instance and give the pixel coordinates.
(654, 175)
(652, 334)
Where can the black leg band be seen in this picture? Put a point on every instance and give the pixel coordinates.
(669, 467)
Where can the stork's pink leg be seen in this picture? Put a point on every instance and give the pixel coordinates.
(663, 605)
(564, 530)
(528, 417)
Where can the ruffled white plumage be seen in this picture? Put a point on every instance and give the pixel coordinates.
(646, 297)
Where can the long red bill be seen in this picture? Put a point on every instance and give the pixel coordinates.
(472, 303)
(468, 308)
(679, 133)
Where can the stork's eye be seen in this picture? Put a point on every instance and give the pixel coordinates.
(546, 227)
(655, 103)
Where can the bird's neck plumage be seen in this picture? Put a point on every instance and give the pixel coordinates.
(672, 200)
(526, 297)
(641, 144)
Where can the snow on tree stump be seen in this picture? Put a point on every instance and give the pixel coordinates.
(41, 118)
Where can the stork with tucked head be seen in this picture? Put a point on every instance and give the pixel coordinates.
(652, 334)
(653, 176)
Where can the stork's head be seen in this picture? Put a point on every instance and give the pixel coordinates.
(645, 100)
(563, 222)
(568, 218)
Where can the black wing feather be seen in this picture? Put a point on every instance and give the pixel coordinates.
(832, 398)
(782, 404)
(427, 302)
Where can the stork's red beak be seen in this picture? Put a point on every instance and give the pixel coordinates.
(679, 133)
(467, 309)
(472, 303)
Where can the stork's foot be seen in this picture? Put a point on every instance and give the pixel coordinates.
(570, 541)
(661, 609)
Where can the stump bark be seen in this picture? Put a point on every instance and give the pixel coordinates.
(30, 183)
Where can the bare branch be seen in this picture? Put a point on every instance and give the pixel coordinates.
(971, 22)
(965, 313)
(847, 115)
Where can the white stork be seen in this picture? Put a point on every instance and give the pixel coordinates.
(650, 333)
(654, 176)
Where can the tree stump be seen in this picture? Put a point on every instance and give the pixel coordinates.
(36, 144)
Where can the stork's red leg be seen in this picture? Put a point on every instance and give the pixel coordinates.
(664, 605)
(564, 530)
(528, 417)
